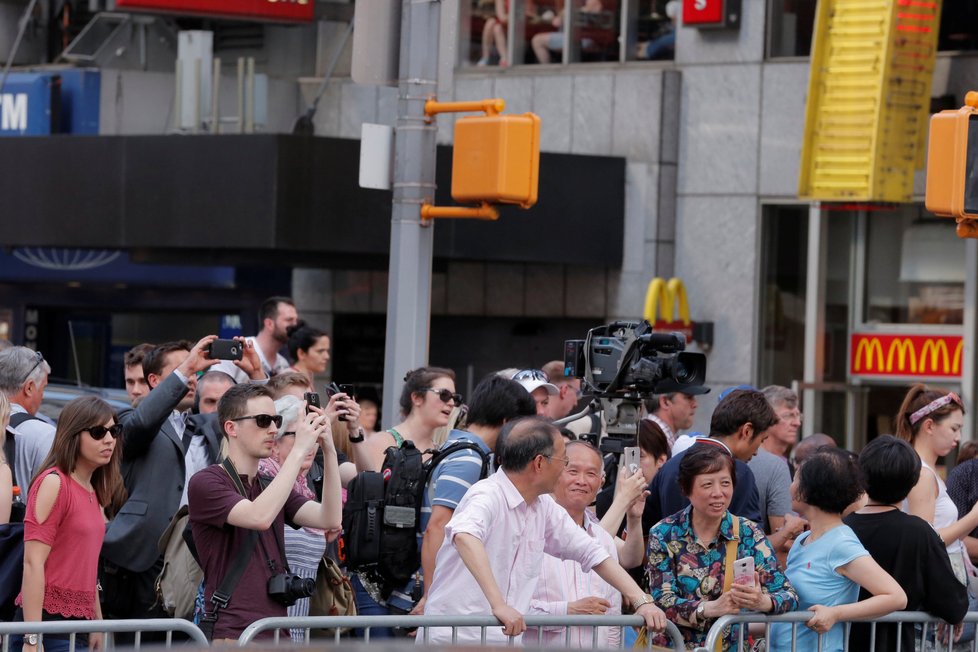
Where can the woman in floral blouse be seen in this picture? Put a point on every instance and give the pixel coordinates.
(687, 553)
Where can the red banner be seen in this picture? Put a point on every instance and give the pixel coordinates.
(287, 10)
(923, 356)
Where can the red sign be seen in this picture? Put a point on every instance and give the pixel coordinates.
(288, 10)
(917, 356)
(704, 13)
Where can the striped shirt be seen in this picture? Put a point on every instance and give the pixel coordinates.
(453, 476)
(303, 550)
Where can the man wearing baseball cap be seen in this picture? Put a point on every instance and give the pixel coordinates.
(538, 385)
(673, 407)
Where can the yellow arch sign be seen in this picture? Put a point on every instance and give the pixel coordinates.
(662, 297)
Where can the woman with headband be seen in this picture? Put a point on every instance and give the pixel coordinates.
(931, 421)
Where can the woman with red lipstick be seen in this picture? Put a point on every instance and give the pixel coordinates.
(69, 502)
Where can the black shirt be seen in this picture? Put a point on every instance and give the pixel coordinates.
(909, 549)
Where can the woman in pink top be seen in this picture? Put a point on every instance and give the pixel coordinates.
(65, 522)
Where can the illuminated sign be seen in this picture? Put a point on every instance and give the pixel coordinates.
(660, 299)
(916, 356)
(711, 13)
(289, 10)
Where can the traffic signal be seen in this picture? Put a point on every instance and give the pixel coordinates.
(497, 159)
(952, 166)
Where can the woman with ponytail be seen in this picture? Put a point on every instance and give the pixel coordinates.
(931, 421)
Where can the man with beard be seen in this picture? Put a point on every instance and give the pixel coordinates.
(275, 316)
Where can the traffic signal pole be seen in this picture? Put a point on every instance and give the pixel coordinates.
(412, 239)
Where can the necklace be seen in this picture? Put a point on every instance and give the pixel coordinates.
(90, 492)
(881, 505)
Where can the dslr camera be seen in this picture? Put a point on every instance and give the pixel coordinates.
(287, 589)
(622, 364)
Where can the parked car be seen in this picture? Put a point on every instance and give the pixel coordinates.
(57, 395)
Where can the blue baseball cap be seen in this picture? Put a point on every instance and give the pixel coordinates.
(725, 393)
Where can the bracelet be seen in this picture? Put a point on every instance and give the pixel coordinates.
(359, 438)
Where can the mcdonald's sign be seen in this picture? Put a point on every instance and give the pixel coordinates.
(667, 309)
(916, 356)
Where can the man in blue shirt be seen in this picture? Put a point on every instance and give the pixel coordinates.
(495, 400)
(739, 425)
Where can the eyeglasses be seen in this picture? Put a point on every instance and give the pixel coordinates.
(565, 460)
(38, 359)
(794, 415)
(446, 395)
(531, 374)
(98, 433)
(263, 420)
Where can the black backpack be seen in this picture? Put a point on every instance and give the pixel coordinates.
(382, 514)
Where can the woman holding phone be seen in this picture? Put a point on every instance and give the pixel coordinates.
(692, 554)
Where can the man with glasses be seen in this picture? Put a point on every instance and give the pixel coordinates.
(490, 559)
(23, 377)
(163, 447)
(784, 435)
(226, 509)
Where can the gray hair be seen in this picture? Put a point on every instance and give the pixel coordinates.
(522, 440)
(779, 396)
(18, 364)
(291, 409)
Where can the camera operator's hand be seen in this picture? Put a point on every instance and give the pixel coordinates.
(198, 359)
(249, 363)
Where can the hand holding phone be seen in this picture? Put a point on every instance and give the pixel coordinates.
(630, 458)
(312, 400)
(225, 350)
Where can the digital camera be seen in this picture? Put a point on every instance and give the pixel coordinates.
(287, 589)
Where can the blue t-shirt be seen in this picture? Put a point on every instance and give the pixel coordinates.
(453, 476)
(812, 571)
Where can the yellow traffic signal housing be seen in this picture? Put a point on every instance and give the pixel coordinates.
(497, 159)
(952, 175)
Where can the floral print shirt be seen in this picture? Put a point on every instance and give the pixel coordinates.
(683, 571)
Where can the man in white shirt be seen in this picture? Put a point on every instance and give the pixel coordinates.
(276, 315)
(23, 377)
(494, 544)
(565, 588)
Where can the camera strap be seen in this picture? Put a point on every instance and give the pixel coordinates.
(222, 594)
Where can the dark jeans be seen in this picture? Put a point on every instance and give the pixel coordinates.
(130, 595)
(367, 606)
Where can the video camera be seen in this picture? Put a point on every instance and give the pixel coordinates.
(623, 363)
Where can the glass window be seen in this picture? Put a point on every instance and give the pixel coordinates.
(914, 268)
(784, 260)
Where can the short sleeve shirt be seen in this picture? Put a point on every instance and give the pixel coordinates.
(453, 476)
(212, 495)
(812, 571)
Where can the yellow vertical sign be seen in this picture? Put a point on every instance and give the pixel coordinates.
(868, 98)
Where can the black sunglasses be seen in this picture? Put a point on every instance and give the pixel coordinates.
(38, 359)
(263, 420)
(446, 395)
(98, 433)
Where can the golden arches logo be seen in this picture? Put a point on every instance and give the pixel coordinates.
(665, 295)
(900, 355)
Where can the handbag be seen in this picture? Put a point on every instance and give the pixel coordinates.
(333, 596)
(11, 567)
(642, 641)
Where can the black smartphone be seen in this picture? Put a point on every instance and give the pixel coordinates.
(333, 389)
(312, 399)
(225, 350)
(347, 389)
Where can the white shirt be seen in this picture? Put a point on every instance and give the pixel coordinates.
(32, 442)
(563, 581)
(515, 535)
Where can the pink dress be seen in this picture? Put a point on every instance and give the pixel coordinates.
(74, 530)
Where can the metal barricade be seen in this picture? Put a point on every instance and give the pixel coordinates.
(74, 627)
(798, 619)
(367, 623)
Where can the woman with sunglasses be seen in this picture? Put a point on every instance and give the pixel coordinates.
(6, 475)
(79, 488)
(931, 421)
(427, 401)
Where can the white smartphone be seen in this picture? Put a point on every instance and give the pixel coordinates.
(744, 571)
(629, 458)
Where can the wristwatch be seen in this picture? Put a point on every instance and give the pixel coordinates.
(701, 611)
(30, 639)
(646, 599)
(359, 436)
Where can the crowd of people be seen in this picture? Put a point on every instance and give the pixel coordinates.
(746, 517)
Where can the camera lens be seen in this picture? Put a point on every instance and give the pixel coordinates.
(684, 374)
(303, 587)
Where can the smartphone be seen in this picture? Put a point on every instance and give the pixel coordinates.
(333, 389)
(225, 350)
(312, 399)
(744, 571)
(630, 458)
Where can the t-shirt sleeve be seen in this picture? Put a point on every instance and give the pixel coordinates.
(845, 548)
(47, 531)
(210, 497)
(293, 503)
(455, 476)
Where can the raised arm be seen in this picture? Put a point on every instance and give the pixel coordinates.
(327, 515)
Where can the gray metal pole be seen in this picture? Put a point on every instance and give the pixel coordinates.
(409, 280)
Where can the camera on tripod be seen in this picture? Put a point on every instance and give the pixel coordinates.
(623, 363)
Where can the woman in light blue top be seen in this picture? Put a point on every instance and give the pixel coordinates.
(827, 565)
